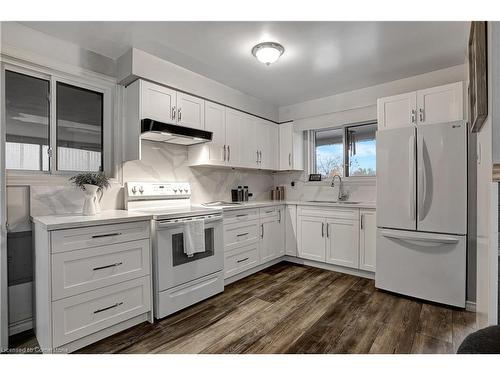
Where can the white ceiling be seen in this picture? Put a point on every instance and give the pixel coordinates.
(320, 59)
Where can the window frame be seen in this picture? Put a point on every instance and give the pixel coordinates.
(53, 76)
(345, 162)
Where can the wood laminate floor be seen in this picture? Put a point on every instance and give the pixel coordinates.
(290, 308)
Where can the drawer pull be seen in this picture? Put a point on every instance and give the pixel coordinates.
(106, 235)
(108, 308)
(241, 234)
(108, 266)
(242, 215)
(242, 260)
(269, 212)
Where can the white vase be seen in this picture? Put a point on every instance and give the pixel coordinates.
(89, 205)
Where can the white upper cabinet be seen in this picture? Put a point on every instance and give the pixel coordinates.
(397, 111)
(190, 111)
(429, 106)
(157, 102)
(251, 157)
(440, 104)
(215, 122)
(290, 148)
(234, 139)
(267, 142)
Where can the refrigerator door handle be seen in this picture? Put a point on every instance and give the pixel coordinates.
(421, 180)
(411, 177)
(412, 237)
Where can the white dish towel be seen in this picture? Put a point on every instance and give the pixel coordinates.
(194, 237)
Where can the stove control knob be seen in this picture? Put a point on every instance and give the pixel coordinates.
(175, 190)
(186, 191)
(134, 189)
(141, 189)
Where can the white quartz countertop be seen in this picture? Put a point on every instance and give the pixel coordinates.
(257, 204)
(67, 221)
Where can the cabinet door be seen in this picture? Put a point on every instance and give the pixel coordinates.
(367, 240)
(273, 239)
(215, 122)
(342, 244)
(250, 129)
(291, 230)
(267, 140)
(311, 238)
(234, 129)
(190, 111)
(440, 104)
(158, 102)
(286, 146)
(397, 111)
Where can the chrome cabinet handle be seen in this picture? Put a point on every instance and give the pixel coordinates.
(228, 153)
(260, 157)
(262, 233)
(242, 215)
(361, 221)
(106, 235)
(421, 114)
(241, 234)
(179, 114)
(173, 113)
(108, 308)
(242, 260)
(290, 159)
(257, 161)
(413, 116)
(327, 230)
(279, 216)
(224, 152)
(322, 229)
(108, 266)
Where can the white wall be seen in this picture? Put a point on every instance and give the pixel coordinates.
(365, 99)
(26, 43)
(487, 204)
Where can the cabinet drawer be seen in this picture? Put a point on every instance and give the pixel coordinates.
(241, 234)
(84, 314)
(335, 213)
(270, 212)
(241, 259)
(237, 216)
(82, 238)
(80, 271)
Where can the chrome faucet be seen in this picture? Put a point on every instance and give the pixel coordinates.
(342, 196)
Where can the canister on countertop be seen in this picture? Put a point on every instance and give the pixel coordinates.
(245, 193)
(234, 195)
(273, 194)
(240, 193)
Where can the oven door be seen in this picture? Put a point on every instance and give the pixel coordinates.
(172, 266)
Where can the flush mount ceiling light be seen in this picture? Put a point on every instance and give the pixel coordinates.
(268, 52)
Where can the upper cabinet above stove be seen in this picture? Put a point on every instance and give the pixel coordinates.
(422, 107)
(148, 100)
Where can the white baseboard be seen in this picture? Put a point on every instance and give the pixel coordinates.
(20, 326)
(251, 271)
(331, 267)
(470, 306)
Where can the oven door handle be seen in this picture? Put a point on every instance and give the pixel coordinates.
(170, 224)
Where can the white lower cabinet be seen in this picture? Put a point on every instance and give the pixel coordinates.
(291, 230)
(367, 239)
(342, 242)
(252, 237)
(311, 238)
(91, 282)
(333, 235)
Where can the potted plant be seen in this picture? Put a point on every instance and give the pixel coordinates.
(91, 183)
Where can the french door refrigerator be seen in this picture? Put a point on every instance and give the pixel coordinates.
(422, 212)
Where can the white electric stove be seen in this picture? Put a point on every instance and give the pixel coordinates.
(179, 280)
